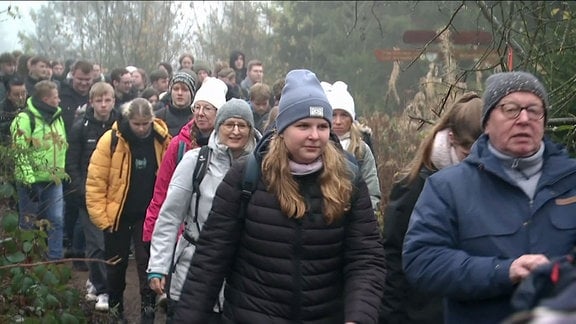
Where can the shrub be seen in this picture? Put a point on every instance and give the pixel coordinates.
(29, 287)
(31, 290)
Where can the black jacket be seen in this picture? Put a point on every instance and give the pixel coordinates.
(7, 114)
(70, 101)
(30, 84)
(175, 118)
(401, 303)
(283, 270)
(121, 99)
(233, 91)
(82, 141)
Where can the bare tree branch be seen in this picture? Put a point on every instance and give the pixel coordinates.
(500, 28)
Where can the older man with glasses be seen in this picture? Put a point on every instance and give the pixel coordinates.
(482, 226)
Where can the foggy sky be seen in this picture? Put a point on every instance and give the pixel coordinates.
(9, 27)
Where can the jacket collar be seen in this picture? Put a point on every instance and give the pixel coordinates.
(557, 163)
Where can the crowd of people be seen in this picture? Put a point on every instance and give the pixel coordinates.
(152, 164)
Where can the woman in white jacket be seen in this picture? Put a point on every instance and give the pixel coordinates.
(349, 133)
(234, 136)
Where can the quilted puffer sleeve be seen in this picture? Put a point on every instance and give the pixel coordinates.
(364, 268)
(97, 183)
(215, 252)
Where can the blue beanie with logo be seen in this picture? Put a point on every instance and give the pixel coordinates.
(302, 97)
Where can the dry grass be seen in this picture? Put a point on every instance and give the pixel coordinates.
(396, 137)
(395, 140)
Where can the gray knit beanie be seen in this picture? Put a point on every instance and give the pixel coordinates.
(500, 85)
(302, 97)
(234, 108)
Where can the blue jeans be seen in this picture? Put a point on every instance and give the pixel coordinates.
(43, 200)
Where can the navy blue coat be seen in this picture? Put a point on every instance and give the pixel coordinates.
(471, 221)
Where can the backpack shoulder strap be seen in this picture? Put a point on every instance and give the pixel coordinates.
(249, 183)
(199, 172)
(181, 151)
(32, 119)
(201, 167)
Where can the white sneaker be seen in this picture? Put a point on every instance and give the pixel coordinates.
(162, 300)
(102, 303)
(90, 291)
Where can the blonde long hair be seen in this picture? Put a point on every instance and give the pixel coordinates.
(335, 181)
(356, 146)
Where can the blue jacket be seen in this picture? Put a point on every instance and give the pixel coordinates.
(471, 221)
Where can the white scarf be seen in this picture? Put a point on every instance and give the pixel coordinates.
(345, 140)
(443, 153)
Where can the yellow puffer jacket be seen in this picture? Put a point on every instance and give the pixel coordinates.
(109, 175)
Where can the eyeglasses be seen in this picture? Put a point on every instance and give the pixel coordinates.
(512, 110)
(207, 109)
(242, 127)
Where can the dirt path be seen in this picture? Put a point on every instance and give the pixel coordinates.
(131, 294)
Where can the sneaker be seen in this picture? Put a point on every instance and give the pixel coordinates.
(162, 302)
(102, 303)
(90, 291)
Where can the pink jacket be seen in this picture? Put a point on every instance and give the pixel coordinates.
(163, 177)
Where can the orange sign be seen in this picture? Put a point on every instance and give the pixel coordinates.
(396, 55)
(476, 54)
(411, 54)
(475, 37)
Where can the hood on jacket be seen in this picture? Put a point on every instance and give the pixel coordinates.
(44, 111)
(481, 156)
(364, 128)
(159, 128)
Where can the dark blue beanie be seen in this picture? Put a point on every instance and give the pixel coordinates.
(302, 97)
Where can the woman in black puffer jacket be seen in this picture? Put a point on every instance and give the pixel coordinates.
(308, 250)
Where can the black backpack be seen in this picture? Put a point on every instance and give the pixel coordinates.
(32, 119)
(249, 182)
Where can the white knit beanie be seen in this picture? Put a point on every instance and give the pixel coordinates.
(339, 97)
(213, 91)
